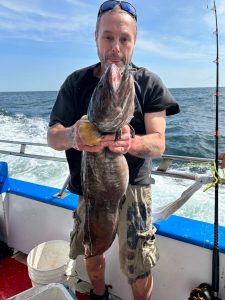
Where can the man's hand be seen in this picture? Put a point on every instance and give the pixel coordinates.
(123, 145)
(222, 157)
(83, 137)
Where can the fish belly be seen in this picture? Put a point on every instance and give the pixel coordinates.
(105, 180)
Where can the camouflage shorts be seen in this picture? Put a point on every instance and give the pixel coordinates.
(137, 249)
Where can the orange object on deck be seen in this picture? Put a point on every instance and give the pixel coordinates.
(81, 296)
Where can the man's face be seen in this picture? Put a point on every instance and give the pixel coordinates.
(115, 38)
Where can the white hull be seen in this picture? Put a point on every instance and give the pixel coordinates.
(27, 222)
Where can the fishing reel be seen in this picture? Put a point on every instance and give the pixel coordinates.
(202, 292)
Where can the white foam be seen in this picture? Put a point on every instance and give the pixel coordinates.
(39, 171)
(50, 173)
(199, 207)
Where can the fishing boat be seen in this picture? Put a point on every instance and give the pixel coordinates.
(192, 252)
(31, 214)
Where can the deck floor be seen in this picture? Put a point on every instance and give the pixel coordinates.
(14, 277)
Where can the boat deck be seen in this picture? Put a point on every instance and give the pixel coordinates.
(14, 277)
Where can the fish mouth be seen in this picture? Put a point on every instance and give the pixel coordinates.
(114, 76)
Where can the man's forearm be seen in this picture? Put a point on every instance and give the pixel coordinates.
(59, 137)
(149, 145)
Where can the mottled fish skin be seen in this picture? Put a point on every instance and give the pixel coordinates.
(111, 109)
(105, 174)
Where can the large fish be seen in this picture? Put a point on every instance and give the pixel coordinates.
(105, 174)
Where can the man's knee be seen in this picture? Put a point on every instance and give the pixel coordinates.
(95, 267)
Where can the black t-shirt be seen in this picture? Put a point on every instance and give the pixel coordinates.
(72, 103)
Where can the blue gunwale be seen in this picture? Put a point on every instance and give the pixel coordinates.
(175, 227)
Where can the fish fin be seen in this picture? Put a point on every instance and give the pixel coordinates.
(123, 199)
(118, 135)
(89, 133)
(132, 131)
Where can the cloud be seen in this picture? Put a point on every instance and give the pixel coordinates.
(174, 47)
(187, 36)
(221, 8)
(31, 21)
(209, 17)
(78, 3)
(26, 8)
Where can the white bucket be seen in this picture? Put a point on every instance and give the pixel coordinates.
(47, 262)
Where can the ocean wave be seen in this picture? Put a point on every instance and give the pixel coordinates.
(6, 113)
(24, 117)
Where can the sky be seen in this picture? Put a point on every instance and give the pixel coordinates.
(42, 42)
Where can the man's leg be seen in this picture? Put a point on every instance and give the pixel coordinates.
(138, 251)
(142, 288)
(95, 267)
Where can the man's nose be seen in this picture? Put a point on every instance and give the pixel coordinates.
(116, 46)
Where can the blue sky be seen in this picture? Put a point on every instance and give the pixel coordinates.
(41, 42)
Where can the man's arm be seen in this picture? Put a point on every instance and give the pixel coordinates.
(58, 137)
(63, 138)
(152, 144)
(222, 157)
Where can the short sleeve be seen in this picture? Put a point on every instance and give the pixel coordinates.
(63, 109)
(153, 94)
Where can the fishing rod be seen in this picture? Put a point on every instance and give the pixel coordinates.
(215, 262)
(204, 291)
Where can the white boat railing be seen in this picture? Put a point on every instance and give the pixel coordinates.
(162, 170)
(23, 148)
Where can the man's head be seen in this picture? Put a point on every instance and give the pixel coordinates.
(116, 31)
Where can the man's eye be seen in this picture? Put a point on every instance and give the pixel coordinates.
(124, 40)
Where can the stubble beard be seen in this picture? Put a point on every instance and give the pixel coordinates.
(105, 60)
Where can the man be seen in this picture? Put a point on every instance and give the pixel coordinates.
(116, 32)
(222, 157)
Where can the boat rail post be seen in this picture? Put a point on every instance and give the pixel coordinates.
(61, 194)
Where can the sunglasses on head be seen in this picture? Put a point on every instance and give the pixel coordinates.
(126, 6)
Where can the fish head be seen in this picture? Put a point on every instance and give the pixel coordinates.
(112, 102)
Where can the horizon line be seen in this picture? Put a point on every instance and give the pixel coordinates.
(38, 91)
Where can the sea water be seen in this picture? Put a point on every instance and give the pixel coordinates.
(24, 117)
